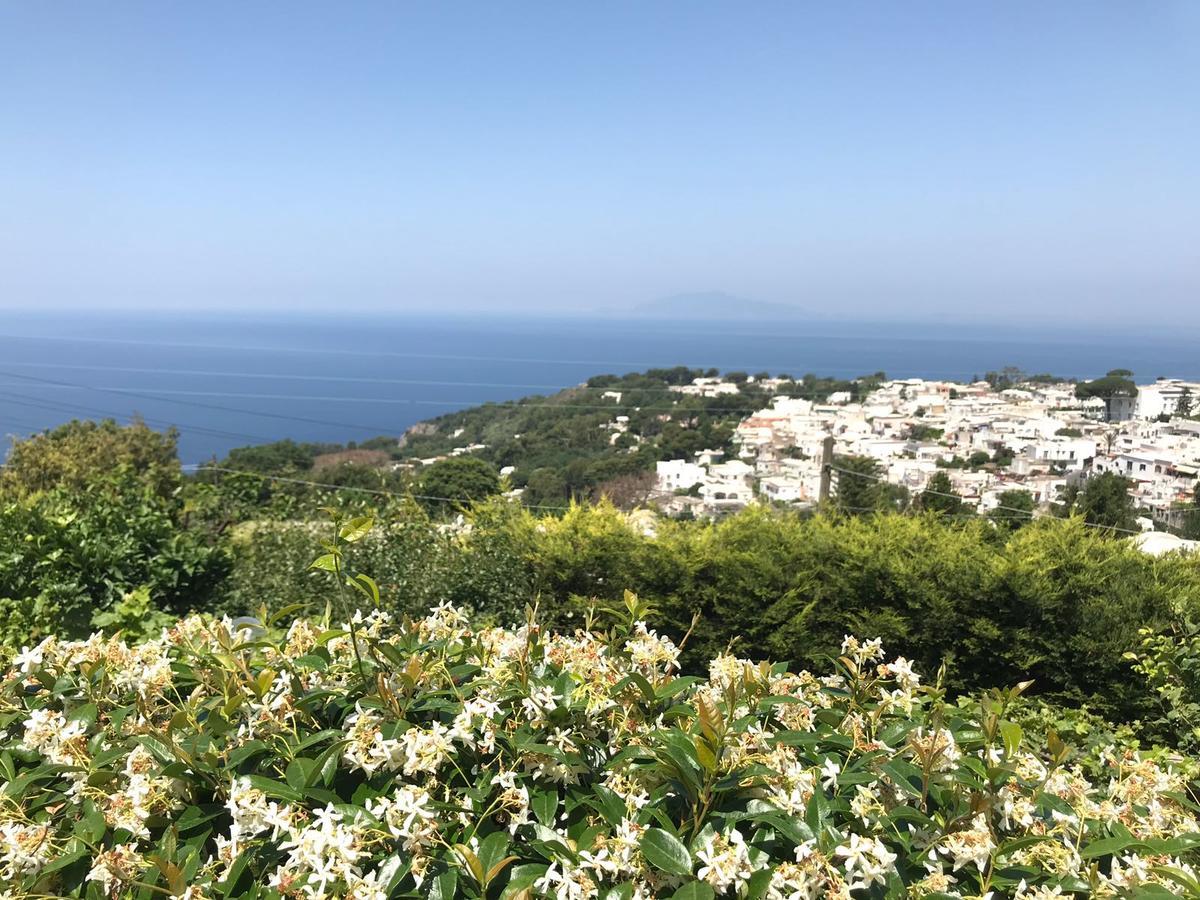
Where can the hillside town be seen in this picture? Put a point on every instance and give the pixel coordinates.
(1034, 437)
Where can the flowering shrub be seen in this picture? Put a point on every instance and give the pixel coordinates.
(428, 759)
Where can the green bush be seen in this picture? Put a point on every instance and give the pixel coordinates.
(433, 760)
(72, 554)
(1054, 600)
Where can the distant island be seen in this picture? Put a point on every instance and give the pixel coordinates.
(717, 305)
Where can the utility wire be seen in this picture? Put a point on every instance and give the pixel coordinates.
(374, 429)
(74, 408)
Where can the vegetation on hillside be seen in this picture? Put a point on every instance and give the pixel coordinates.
(561, 446)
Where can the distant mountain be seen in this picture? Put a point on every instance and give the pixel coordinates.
(717, 305)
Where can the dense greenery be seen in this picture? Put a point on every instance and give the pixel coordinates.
(92, 517)
(428, 759)
(382, 736)
(994, 599)
(1051, 599)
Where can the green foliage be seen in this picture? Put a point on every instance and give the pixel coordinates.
(458, 481)
(1186, 404)
(939, 496)
(1014, 510)
(1105, 502)
(278, 457)
(429, 759)
(978, 458)
(134, 616)
(1170, 661)
(1055, 599)
(79, 454)
(1115, 384)
(72, 553)
(1189, 523)
(860, 487)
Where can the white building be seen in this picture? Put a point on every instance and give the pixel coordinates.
(678, 475)
(785, 489)
(1165, 398)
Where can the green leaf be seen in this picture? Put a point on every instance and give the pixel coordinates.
(445, 886)
(366, 586)
(276, 789)
(286, 611)
(694, 890)
(326, 563)
(65, 860)
(356, 529)
(665, 851)
(607, 802)
(297, 773)
(161, 750)
(545, 807)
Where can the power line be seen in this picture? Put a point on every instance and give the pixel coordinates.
(374, 429)
(160, 395)
(26, 426)
(350, 379)
(73, 408)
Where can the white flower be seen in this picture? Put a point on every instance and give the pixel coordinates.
(868, 861)
(829, 773)
(29, 658)
(726, 861)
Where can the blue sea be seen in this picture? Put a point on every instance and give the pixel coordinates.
(230, 380)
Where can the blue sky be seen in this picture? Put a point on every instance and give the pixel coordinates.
(949, 160)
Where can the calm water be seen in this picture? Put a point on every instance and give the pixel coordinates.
(227, 381)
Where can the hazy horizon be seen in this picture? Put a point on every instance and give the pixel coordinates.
(927, 162)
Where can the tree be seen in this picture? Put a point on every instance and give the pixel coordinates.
(457, 481)
(1004, 456)
(861, 488)
(1007, 377)
(1186, 403)
(1067, 498)
(1188, 524)
(939, 496)
(857, 483)
(978, 458)
(545, 487)
(82, 453)
(1112, 388)
(925, 433)
(1015, 508)
(1105, 501)
(72, 554)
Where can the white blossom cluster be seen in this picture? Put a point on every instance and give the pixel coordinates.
(379, 759)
